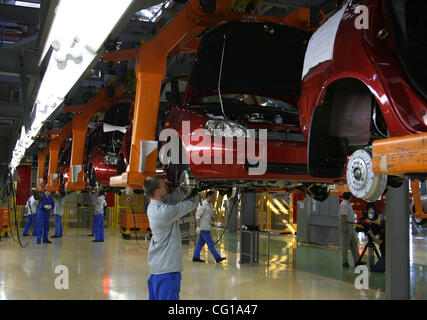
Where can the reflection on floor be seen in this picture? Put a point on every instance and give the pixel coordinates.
(117, 269)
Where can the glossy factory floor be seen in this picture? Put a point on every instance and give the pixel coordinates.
(117, 269)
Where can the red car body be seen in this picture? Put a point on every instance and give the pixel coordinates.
(103, 148)
(274, 80)
(374, 84)
(99, 146)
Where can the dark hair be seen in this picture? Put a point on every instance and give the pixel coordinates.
(209, 193)
(151, 184)
(346, 195)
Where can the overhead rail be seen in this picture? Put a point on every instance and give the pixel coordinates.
(177, 37)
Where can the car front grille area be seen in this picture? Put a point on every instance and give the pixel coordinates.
(282, 168)
(283, 136)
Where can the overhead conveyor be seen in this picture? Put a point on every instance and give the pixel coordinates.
(403, 156)
(176, 37)
(105, 99)
(54, 148)
(400, 156)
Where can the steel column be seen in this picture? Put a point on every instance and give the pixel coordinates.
(397, 243)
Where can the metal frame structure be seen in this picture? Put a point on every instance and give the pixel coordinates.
(177, 37)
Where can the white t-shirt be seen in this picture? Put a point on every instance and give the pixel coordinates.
(346, 210)
(59, 205)
(31, 206)
(205, 213)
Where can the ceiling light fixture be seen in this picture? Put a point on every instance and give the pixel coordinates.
(78, 30)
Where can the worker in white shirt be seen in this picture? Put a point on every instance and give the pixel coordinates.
(204, 216)
(31, 212)
(58, 212)
(99, 203)
(348, 234)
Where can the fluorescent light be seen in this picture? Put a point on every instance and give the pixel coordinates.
(88, 22)
(78, 31)
(152, 13)
(27, 4)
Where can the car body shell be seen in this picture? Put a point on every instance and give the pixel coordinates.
(364, 56)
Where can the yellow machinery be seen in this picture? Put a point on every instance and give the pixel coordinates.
(129, 215)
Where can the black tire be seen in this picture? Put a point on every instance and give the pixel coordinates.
(394, 182)
(61, 181)
(318, 192)
(372, 212)
(173, 171)
(92, 176)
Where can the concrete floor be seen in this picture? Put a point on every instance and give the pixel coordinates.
(117, 269)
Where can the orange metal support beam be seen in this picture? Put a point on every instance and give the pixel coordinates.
(54, 147)
(78, 108)
(400, 156)
(41, 161)
(120, 55)
(100, 103)
(151, 69)
(419, 212)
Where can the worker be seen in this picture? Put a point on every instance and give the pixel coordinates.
(348, 234)
(31, 212)
(380, 265)
(58, 212)
(165, 251)
(43, 214)
(98, 220)
(204, 216)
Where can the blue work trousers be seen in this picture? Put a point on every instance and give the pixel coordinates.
(380, 265)
(58, 225)
(205, 238)
(164, 286)
(98, 227)
(31, 222)
(43, 226)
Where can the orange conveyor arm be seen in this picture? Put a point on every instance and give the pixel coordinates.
(41, 161)
(419, 212)
(100, 103)
(150, 71)
(401, 155)
(54, 147)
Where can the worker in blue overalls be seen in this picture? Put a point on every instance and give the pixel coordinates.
(99, 203)
(43, 214)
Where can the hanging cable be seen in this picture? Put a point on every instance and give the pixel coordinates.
(9, 194)
(219, 78)
(226, 226)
